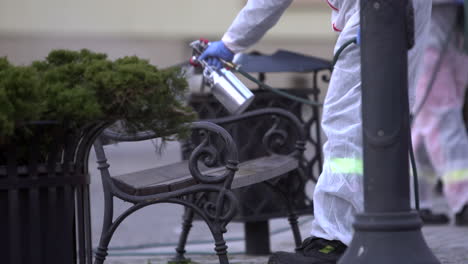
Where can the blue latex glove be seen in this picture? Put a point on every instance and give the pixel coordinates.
(214, 51)
(459, 2)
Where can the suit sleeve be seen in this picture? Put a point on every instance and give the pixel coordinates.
(252, 22)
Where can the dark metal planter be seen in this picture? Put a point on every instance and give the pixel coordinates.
(261, 202)
(44, 199)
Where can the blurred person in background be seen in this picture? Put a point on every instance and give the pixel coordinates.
(338, 195)
(439, 134)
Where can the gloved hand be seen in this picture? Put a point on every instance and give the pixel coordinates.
(459, 2)
(215, 51)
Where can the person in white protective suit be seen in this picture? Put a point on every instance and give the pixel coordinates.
(440, 138)
(338, 195)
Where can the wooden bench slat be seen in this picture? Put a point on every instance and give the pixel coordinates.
(177, 176)
(154, 180)
(259, 170)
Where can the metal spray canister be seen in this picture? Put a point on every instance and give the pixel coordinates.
(225, 86)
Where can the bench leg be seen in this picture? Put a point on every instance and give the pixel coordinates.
(292, 218)
(218, 224)
(186, 226)
(220, 247)
(285, 194)
(106, 233)
(101, 251)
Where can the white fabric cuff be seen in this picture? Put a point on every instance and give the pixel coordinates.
(231, 45)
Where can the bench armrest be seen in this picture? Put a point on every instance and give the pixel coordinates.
(208, 152)
(215, 143)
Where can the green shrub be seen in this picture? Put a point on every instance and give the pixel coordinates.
(21, 96)
(78, 87)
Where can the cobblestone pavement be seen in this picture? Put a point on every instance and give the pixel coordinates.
(449, 244)
(154, 231)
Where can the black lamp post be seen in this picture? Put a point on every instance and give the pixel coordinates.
(388, 231)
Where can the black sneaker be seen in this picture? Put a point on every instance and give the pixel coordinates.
(430, 218)
(461, 218)
(313, 250)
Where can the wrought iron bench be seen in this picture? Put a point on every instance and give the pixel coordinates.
(203, 184)
(308, 76)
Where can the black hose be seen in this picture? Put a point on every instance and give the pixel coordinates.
(341, 49)
(288, 95)
(274, 90)
(414, 169)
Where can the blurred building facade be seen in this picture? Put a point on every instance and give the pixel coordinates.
(153, 29)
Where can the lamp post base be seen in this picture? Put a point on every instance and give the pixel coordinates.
(388, 238)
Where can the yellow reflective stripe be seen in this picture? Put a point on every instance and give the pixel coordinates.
(327, 249)
(346, 165)
(456, 176)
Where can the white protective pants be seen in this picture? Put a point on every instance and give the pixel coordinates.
(440, 137)
(339, 194)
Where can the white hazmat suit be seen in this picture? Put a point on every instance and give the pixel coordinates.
(338, 195)
(440, 138)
